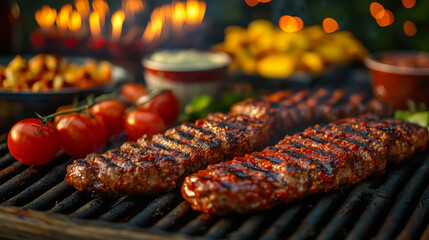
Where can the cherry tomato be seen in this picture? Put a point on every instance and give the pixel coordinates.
(143, 121)
(81, 134)
(133, 91)
(166, 105)
(112, 112)
(30, 149)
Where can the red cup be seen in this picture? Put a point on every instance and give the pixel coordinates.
(399, 76)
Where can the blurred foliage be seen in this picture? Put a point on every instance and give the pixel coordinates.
(201, 106)
(356, 17)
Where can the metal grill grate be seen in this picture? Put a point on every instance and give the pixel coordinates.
(395, 204)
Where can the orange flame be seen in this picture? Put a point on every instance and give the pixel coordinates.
(179, 14)
(82, 7)
(94, 24)
(195, 12)
(385, 18)
(290, 24)
(75, 21)
(408, 3)
(131, 7)
(330, 25)
(410, 28)
(64, 17)
(102, 8)
(45, 17)
(154, 27)
(117, 20)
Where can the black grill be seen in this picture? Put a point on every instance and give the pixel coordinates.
(36, 202)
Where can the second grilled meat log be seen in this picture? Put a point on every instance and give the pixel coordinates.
(293, 110)
(319, 159)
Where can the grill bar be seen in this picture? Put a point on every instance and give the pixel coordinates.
(251, 227)
(120, 208)
(71, 203)
(93, 208)
(9, 172)
(52, 178)
(419, 219)
(48, 199)
(176, 218)
(312, 224)
(224, 226)
(347, 213)
(380, 202)
(283, 225)
(199, 225)
(405, 203)
(5, 161)
(156, 209)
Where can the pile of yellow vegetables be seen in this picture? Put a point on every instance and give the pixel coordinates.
(45, 72)
(265, 50)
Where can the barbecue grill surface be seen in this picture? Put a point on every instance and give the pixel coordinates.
(36, 202)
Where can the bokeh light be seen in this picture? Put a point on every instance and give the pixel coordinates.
(410, 28)
(330, 25)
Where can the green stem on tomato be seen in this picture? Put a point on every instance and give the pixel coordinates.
(147, 98)
(89, 102)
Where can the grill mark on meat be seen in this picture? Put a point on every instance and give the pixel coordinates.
(320, 165)
(321, 151)
(161, 155)
(235, 171)
(267, 173)
(205, 131)
(83, 162)
(339, 96)
(270, 158)
(389, 130)
(106, 160)
(323, 97)
(273, 148)
(289, 166)
(223, 183)
(123, 154)
(345, 97)
(186, 135)
(362, 145)
(159, 145)
(167, 138)
(207, 143)
(364, 135)
(314, 138)
(228, 126)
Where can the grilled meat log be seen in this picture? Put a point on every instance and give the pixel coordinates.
(319, 159)
(159, 164)
(294, 110)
